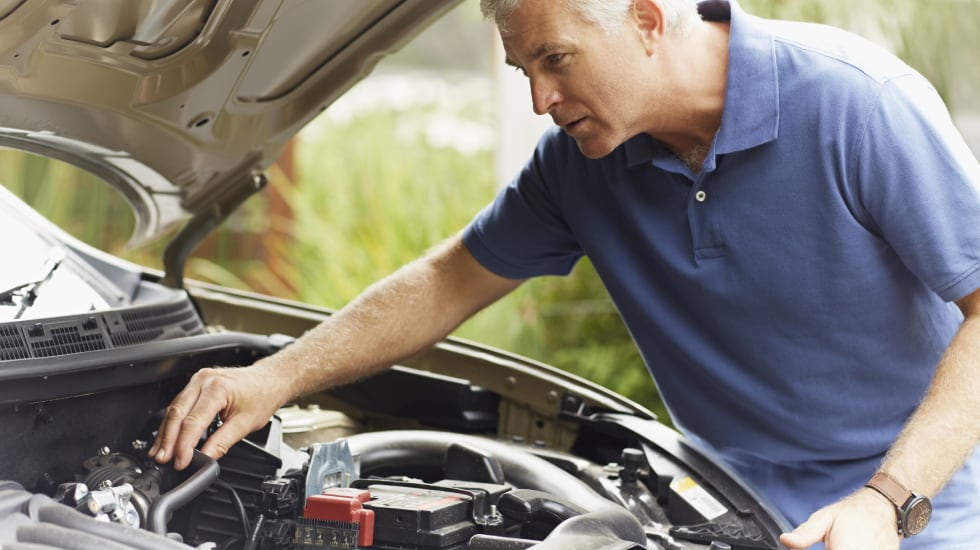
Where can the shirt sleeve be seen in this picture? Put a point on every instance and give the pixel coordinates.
(920, 186)
(523, 232)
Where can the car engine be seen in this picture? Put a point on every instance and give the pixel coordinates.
(413, 458)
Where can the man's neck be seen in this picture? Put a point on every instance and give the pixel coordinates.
(693, 109)
(694, 157)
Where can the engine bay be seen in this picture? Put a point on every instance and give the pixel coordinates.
(414, 458)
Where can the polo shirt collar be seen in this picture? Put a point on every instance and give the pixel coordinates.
(751, 113)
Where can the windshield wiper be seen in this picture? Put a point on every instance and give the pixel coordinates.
(28, 291)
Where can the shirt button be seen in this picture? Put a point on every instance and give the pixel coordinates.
(700, 196)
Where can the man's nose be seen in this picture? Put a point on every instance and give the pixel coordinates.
(544, 95)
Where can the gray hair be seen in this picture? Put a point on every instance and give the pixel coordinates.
(607, 14)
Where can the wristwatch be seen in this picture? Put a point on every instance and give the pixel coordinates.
(913, 510)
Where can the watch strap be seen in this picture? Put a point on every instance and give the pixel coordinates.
(890, 488)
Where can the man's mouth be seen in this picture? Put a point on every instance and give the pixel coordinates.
(570, 127)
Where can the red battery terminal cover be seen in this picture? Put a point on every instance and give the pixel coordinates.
(343, 505)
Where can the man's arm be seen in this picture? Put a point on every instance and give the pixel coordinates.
(392, 320)
(933, 445)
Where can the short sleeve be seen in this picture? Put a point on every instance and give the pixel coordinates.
(920, 185)
(523, 232)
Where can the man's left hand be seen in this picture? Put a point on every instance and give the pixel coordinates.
(863, 520)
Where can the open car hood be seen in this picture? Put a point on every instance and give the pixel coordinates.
(181, 104)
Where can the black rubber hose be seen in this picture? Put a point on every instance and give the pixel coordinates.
(425, 448)
(609, 529)
(528, 505)
(163, 507)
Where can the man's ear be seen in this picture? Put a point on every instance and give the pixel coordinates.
(648, 19)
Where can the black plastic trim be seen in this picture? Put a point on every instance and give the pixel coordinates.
(69, 335)
(43, 379)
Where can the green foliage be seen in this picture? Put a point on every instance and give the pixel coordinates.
(372, 198)
(70, 196)
(939, 39)
(92, 211)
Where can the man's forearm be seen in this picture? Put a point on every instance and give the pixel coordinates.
(945, 428)
(396, 318)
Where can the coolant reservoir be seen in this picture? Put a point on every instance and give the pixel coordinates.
(302, 427)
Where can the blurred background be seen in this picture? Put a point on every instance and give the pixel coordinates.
(408, 156)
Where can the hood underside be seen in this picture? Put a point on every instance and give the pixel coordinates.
(181, 104)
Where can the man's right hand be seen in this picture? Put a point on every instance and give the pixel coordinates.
(244, 398)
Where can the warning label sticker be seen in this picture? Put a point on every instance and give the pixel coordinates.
(698, 498)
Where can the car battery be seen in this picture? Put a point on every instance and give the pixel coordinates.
(390, 515)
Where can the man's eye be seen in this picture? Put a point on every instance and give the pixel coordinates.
(555, 58)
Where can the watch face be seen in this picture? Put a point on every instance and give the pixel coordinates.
(917, 516)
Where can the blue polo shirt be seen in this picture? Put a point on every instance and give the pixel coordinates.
(793, 298)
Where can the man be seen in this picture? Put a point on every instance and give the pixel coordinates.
(787, 220)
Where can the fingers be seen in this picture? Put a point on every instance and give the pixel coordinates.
(232, 431)
(187, 418)
(863, 520)
(810, 532)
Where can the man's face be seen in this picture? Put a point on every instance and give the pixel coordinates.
(588, 80)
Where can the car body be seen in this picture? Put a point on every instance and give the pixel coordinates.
(182, 105)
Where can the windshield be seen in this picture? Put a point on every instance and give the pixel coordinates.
(40, 277)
